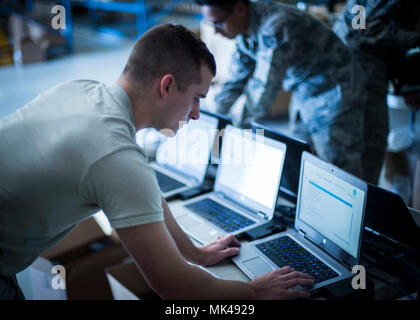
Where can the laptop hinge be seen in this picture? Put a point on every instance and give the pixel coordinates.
(346, 264)
(220, 194)
(263, 215)
(302, 232)
(182, 174)
(231, 201)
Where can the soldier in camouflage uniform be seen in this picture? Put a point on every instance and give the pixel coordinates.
(278, 46)
(386, 36)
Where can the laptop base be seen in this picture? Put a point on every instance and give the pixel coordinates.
(342, 290)
(272, 227)
(194, 192)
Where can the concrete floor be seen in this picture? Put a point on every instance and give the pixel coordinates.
(20, 84)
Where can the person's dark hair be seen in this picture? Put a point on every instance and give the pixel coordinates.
(168, 49)
(225, 5)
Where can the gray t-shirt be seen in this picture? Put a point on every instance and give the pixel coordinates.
(65, 155)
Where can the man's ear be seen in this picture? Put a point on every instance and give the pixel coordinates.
(166, 84)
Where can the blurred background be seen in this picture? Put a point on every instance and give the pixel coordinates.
(93, 40)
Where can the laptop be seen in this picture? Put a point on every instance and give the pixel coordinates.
(392, 238)
(289, 182)
(388, 217)
(182, 161)
(245, 189)
(326, 239)
(223, 121)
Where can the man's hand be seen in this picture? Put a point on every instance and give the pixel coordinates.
(275, 284)
(216, 251)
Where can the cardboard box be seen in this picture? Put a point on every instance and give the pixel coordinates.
(31, 39)
(36, 282)
(127, 283)
(85, 232)
(85, 253)
(6, 52)
(86, 278)
(27, 51)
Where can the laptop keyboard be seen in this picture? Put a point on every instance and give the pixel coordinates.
(167, 183)
(225, 218)
(284, 251)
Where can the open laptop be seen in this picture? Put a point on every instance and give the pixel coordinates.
(392, 237)
(326, 240)
(289, 182)
(223, 121)
(388, 217)
(245, 188)
(182, 161)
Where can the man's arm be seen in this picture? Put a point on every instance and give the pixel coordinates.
(206, 255)
(170, 276)
(266, 81)
(123, 192)
(241, 68)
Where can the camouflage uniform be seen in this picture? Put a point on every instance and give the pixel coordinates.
(383, 40)
(289, 49)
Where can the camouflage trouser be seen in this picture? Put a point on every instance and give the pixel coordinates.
(356, 139)
(340, 143)
(376, 124)
(354, 142)
(376, 116)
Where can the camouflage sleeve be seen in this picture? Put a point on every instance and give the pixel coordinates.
(378, 34)
(381, 30)
(275, 53)
(264, 85)
(240, 69)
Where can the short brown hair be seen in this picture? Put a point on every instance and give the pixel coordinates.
(224, 5)
(169, 49)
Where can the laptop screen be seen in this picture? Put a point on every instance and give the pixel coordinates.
(250, 169)
(388, 215)
(289, 182)
(188, 152)
(332, 206)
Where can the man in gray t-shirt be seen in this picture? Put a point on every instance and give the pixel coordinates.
(72, 151)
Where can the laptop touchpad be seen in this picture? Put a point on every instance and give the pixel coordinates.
(257, 266)
(202, 232)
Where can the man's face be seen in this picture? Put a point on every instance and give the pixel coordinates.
(184, 106)
(228, 24)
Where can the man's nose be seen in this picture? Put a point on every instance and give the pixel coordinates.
(218, 30)
(195, 113)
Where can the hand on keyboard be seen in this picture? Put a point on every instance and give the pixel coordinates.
(218, 250)
(280, 283)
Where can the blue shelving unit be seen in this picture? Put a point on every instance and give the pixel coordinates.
(145, 17)
(136, 7)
